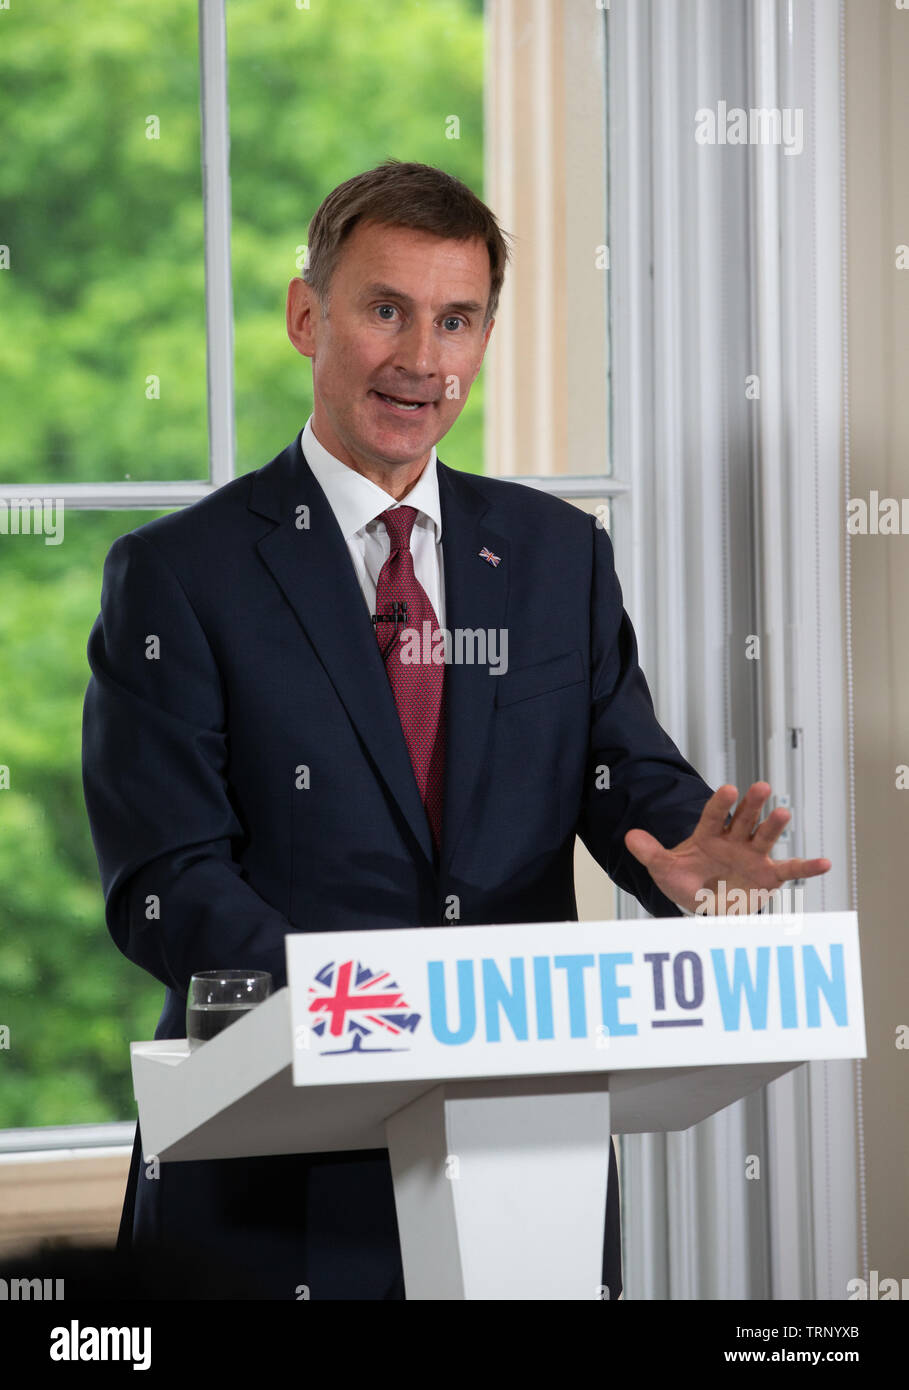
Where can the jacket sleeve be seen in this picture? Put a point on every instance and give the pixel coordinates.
(154, 755)
(636, 777)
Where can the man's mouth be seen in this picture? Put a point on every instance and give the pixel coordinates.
(406, 405)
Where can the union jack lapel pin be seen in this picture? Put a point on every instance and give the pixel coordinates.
(488, 555)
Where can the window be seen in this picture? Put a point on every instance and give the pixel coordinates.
(102, 298)
(70, 1000)
(316, 96)
(143, 362)
(117, 271)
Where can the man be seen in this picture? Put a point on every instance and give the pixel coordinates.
(264, 754)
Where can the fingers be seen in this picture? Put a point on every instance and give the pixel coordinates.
(643, 846)
(801, 868)
(767, 832)
(749, 810)
(770, 830)
(747, 815)
(713, 816)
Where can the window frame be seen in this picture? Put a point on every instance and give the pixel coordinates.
(21, 1144)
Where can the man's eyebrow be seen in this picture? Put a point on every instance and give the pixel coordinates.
(381, 291)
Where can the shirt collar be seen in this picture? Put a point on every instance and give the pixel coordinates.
(356, 500)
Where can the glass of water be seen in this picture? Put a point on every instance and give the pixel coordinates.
(217, 998)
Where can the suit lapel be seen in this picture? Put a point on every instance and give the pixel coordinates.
(307, 556)
(312, 566)
(476, 597)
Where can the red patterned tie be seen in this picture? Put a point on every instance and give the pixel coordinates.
(417, 685)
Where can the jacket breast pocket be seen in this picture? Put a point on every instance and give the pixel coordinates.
(543, 678)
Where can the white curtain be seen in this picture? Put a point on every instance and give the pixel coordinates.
(726, 350)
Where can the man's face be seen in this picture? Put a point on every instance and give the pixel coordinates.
(405, 321)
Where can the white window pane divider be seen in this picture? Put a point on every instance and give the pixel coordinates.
(216, 198)
(160, 496)
(110, 496)
(65, 1140)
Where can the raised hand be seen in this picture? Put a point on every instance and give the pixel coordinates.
(737, 854)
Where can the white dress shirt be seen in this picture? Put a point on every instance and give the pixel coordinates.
(356, 502)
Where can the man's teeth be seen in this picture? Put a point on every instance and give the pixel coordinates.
(402, 405)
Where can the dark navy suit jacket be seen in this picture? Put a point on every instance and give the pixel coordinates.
(267, 661)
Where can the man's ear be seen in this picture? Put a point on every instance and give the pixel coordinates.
(302, 309)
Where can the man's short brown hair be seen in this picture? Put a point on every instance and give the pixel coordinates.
(395, 194)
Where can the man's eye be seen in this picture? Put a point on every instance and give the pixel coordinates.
(391, 308)
(452, 318)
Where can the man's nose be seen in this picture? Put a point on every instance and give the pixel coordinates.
(416, 349)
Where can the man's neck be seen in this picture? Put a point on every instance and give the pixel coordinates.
(395, 479)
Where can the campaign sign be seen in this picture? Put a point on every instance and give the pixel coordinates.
(554, 997)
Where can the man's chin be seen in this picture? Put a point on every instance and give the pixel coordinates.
(399, 443)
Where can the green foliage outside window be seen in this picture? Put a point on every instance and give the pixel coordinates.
(104, 292)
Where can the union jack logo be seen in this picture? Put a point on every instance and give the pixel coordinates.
(488, 555)
(352, 1003)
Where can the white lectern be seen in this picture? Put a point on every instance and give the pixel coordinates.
(494, 1062)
